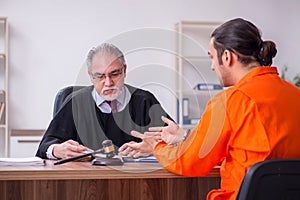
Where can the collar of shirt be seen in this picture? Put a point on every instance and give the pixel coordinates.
(122, 100)
(257, 71)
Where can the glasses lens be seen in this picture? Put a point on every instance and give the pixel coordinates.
(113, 75)
(98, 76)
(116, 73)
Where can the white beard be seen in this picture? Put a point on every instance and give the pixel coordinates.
(112, 96)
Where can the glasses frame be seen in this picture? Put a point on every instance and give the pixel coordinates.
(113, 75)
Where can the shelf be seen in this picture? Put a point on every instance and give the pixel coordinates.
(27, 132)
(3, 126)
(195, 57)
(4, 136)
(197, 23)
(200, 91)
(188, 126)
(194, 67)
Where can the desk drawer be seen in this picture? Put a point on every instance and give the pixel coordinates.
(24, 146)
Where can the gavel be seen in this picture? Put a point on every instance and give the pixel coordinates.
(107, 148)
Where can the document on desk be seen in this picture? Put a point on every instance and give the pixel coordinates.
(151, 159)
(21, 161)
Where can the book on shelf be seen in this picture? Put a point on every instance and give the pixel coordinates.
(2, 96)
(185, 110)
(2, 106)
(2, 103)
(27, 161)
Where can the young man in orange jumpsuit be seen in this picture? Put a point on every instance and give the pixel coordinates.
(256, 119)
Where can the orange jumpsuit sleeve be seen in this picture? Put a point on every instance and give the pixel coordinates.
(205, 146)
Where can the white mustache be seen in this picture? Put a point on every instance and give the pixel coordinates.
(109, 88)
(112, 96)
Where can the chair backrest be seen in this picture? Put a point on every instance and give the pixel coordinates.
(272, 179)
(62, 95)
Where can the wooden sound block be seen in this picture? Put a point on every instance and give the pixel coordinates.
(107, 161)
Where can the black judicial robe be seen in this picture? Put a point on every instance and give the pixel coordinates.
(81, 120)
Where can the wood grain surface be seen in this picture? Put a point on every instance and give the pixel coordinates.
(82, 181)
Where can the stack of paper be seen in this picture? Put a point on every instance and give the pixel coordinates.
(21, 161)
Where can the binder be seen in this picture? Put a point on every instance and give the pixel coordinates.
(2, 106)
(2, 103)
(185, 110)
(208, 86)
(2, 96)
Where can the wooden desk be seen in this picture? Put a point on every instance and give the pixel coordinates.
(81, 180)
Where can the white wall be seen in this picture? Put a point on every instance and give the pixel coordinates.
(50, 39)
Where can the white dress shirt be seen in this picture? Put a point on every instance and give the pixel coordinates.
(122, 100)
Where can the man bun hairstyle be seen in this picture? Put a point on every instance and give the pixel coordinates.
(267, 53)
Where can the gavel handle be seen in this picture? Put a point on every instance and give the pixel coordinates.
(61, 161)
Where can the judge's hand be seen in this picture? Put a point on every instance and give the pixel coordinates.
(170, 134)
(138, 149)
(69, 148)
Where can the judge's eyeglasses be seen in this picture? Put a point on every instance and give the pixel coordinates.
(115, 74)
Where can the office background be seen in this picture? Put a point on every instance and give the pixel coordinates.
(49, 40)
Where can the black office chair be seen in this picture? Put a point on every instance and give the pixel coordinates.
(62, 95)
(272, 179)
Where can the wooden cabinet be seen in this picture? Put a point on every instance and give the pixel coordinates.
(24, 143)
(3, 87)
(196, 82)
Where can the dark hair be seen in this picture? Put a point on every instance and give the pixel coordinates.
(244, 39)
